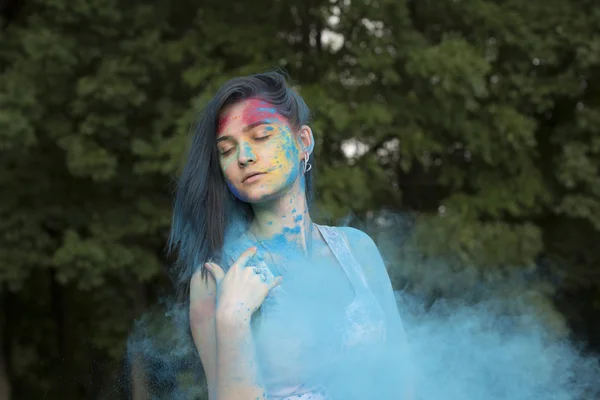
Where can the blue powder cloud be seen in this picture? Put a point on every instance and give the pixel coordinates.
(474, 347)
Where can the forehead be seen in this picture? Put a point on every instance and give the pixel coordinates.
(235, 117)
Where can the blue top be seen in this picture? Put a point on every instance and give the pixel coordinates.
(333, 343)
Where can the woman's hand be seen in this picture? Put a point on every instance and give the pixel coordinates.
(240, 291)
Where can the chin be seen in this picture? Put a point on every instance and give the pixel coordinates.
(261, 195)
(266, 191)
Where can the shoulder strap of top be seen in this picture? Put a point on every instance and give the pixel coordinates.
(338, 244)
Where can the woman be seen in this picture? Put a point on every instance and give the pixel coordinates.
(327, 325)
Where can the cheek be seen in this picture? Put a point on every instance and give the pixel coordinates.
(226, 164)
(287, 150)
(235, 192)
(284, 161)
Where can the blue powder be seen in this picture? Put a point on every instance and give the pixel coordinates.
(459, 349)
(267, 109)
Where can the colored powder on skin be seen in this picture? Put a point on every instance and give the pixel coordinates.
(290, 152)
(225, 163)
(266, 109)
(257, 110)
(235, 192)
(283, 147)
(222, 123)
(293, 230)
(247, 151)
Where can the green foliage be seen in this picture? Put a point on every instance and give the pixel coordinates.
(482, 116)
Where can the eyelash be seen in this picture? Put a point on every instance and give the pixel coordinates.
(260, 139)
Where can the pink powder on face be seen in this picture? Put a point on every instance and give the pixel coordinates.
(221, 123)
(254, 110)
(258, 110)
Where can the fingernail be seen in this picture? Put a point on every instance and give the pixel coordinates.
(207, 266)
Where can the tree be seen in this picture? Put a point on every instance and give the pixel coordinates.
(96, 100)
(485, 116)
(480, 116)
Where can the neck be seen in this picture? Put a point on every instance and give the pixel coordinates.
(285, 220)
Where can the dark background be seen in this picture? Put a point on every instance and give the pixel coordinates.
(479, 120)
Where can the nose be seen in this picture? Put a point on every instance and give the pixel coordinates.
(246, 155)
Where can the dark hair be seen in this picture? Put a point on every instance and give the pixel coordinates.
(204, 205)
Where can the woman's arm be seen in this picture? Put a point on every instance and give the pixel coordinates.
(237, 367)
(225, 346)
(202, 324)
(366, 252)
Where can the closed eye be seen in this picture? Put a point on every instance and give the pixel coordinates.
(262, 138)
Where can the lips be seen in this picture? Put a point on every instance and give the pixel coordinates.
(251, 175)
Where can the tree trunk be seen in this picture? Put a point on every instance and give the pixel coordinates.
(5, 384)
(63, 317)
(139, 385)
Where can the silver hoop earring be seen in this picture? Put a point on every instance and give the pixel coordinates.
(307, 166)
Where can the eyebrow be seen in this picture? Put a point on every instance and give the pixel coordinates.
(246, 129)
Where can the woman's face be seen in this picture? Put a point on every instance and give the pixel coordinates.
(259, 154)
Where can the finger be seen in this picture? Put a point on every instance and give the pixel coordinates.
(253, 270)
(275, 282)
(216, 272)
(244, 258)
(258, 272)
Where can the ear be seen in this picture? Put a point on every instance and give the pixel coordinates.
(306, 140)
